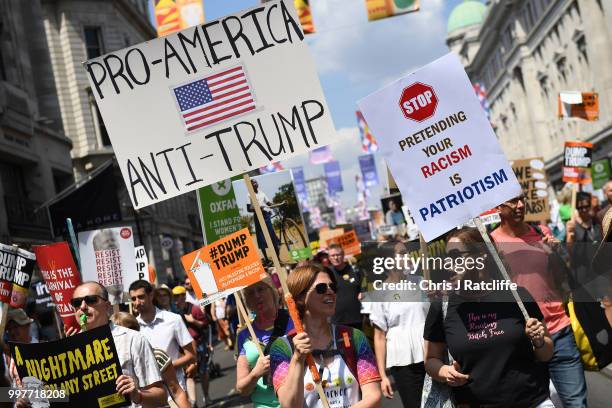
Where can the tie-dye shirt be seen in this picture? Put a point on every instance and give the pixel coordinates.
(340, 385)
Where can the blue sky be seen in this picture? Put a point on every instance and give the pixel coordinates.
(354, 58)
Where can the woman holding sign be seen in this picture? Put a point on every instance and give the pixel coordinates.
(496, 354)
(345, 361)
(270, 322)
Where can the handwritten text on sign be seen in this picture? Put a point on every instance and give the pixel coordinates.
(212, 101)
(440, 146)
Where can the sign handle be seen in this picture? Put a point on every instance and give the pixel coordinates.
(282, 274)
(299, 328)
(574, 194)
(73, 241)
(425, 252)
(245, 317)
(56, 318)
(5, 309)
(502, 268)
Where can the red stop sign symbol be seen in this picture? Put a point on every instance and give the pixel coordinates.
(418, 102)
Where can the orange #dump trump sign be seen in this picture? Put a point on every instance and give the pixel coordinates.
(223, 267)
(349, 243)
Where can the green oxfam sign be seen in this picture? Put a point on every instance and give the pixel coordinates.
(301, 254)
(218, 210)
(600, 173)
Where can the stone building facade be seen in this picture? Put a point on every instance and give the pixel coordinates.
(35, 159)
(527, 51)
(77, 30)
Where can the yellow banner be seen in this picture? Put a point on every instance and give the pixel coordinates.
(378, 9)
(303, 11)
(174, 15)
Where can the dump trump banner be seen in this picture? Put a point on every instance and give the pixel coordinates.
(531, 176)
(8, 258)
(210, 102)
(142, 263)
(22, 277)
(439, 146)
(108, 257)
(378, 9)
(223, 267)
(577, 158)
(85, 366)
(61, 277)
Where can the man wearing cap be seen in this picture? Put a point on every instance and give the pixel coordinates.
(164, 330)
(18, 330)
(162, 297)
(141, 379)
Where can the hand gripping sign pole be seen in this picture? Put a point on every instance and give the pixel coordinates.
(483, 232)
(282, 274)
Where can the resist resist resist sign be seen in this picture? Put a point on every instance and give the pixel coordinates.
(209, 102)
(440, 146)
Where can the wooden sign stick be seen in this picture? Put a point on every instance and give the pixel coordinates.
(282, 274)
(502, 268)
(247, 321)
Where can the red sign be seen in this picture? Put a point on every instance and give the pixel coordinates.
(61, 277)
(418, 102)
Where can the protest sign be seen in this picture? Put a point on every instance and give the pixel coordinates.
(577, 162)
(61, 277)
(230, 96)
(22, 277)
(574, 104)
(349, 242)
(600, 172)
(142, 263)
(174, 15)
(440, 146)
(223, 267)
(333, 175)
(531, 175)
(378, 9)
(85, 365)
(326, 235)
(368, 170)
(8, 258)
(42, 297)
(301, 254)
(108, 257)
(218, 210)
(301, 191)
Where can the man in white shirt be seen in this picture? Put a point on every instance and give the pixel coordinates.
(141, 379)
(164, 330)
(266, 205)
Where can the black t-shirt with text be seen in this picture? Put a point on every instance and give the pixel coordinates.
(487, 338)
(348, 306)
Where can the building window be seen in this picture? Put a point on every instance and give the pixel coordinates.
(93, 42)
(100, 127)
(582, 47)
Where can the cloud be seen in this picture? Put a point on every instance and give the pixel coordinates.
(348, 44)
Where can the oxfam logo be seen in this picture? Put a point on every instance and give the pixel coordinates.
(599, 167)
(222, 187)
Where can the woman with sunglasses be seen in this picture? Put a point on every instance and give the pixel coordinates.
(342, 354)
(270, 323)
(497, 355)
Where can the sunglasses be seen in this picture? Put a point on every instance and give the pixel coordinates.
(90, 300)
(321, 288)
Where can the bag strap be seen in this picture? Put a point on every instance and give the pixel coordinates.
(344, 343)
(444, 313)
(280, 327)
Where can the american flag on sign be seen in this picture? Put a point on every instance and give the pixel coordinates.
(215, 98)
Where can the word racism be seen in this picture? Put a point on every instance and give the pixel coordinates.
(182, 54)
(259, 137)
(86, 366)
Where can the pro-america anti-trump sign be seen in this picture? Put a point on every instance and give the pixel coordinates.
(210, 102)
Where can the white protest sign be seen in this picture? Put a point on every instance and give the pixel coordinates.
(439, 146)
(210, 102)
(142, 263)
(107, 257)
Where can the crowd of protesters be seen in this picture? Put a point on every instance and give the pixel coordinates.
(459, 347)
